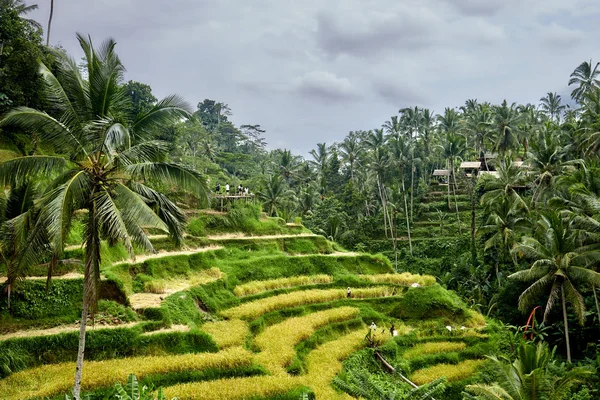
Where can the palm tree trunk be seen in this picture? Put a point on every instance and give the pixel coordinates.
(407, 221)
(596, 300)
(412, 187)
(449, 172)
(50, 22)
(456, 200)
(564, 309)
(92, 262)
(384, 208)
(473, 230)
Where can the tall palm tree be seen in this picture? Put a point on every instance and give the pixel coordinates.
(586, 78)
(532, 375)
(21, 9)
(551, 105)
(275, 195)
(412, 121)
(452, 149)
(403, 155)
(506, 219)
(393, 127)
(478, 125)
(506, 123)
(350, 150)
(321, 157)
(288, 164)
(100, 165)
(558, 268)
(449, 121)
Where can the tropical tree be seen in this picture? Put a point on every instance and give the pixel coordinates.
(288, 164)
(534, 374)
(453, 148)
(551, 106)
(507, 218)
(506, 124)
(350, 150)
(100, 165)
(275, 195)
(586, 78)
(478, 125)
(558, 268)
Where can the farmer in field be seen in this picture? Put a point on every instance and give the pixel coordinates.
(349, 293)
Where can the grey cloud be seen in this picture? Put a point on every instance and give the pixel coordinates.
(370, 36)
(325, 85)
(555, 35)
(479, 7)
(399, 94)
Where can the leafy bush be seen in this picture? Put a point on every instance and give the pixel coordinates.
(431, 302)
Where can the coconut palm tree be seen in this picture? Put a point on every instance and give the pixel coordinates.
(478, 125)
(100, 165)
(350, 150)
(506, 219)
(551, 106)
(586, 78)
(532, 375)
(506, 124)
(393, 127)
(321, 157)
(288, 164)
(558, 268)
(275, 195)
(452, 149)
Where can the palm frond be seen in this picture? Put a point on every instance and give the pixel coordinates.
(181, 177)
(18, 170)
(168, 110)
(50, 130)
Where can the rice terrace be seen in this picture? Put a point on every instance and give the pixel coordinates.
(151, 250)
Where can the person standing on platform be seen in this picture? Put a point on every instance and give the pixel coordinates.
(218, 188)
(227, 189)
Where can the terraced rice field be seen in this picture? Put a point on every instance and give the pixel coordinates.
(257, 336)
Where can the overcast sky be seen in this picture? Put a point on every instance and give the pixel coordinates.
(310, 71)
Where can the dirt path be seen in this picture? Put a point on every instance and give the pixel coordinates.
(151, 300)
(163, 253)
(239, 235)
(61, 329)
(334, 254)
(173, 328)
(70, 275)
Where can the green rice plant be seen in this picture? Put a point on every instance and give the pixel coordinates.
(433, 348)
(404, 279)
(256, 387)
(55, 379)
(227, 333)
(452, 372)
(256, 308)
(277, 341)
(255, 287)
(324, 363)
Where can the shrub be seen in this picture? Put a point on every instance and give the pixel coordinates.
(433, 348)
(255, 287)
(452, 372)
(431, 302)
(227, 333)
(50, 380)
(256, 308)
(277, 341)
(405, 279)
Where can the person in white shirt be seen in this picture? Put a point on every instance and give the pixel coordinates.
(227, 189)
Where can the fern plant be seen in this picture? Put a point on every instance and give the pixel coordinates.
(132, 391)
